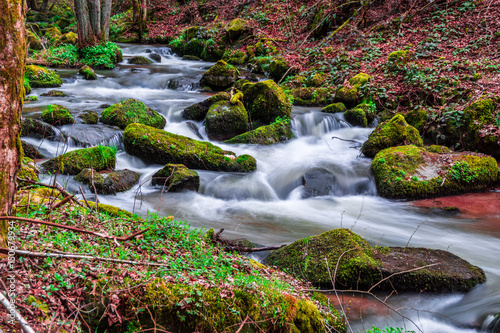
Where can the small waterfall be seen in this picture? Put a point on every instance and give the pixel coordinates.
(317, 124)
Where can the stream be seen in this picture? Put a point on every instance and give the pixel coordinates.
(271, 206)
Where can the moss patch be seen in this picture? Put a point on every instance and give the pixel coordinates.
(220, 76)
(139, 60)
(88, 73)
(158, 146)
(132, 111)
(334, 108)
(313, 96)
(73, 162)
(279, 131)
(89, 117)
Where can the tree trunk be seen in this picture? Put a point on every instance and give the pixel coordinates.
(140, 14)
(45, 4)
(12, 64)
(92, 19)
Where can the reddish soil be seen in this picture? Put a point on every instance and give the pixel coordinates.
(358, 306)
(484, 207)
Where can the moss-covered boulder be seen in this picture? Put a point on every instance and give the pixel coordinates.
(410, 172)
(132, 111)
(54, 93)
(334, 108)
(417, 119)
(72, 163)
(313, 96)
(394, 132)
(38, 129)
(238, 28)
(279, 131)
(220, 76)
(108, 183)
(279, 69)
(399, 56)
(88, 73)
(349, 93)
(198, 111)
(70, 38)
(361, 115)
(89, 117)
(31, 151)
(40, 77)
(34, 41)
(225, 120)
(139, 60)
(265, 101)
(176, 178)
(53, 32)
(158, 146)
(57, 115)
(360, 266)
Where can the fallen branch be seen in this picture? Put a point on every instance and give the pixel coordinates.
(79, 256)
(62, 202)
(234, 246)
(336, 137)
(67, 227)
(12, 310)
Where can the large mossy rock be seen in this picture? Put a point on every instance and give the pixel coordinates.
(176, 178)
(57, 115)
(238, 28)
(38, 129)
(72, 163)
(265, 101)
(28, 170)
(89, 117)
(198, 111)
(334, 108)
(279, 69)
(40, 77)
(34, 41)
(362, 266)
(88, 73)
(158, 146)
(69, 38)
(391, 133)
(132, 111)
(220, 76)
(279, 131)
(349, 93)
(225, 120)
(109, 183)
(140, 60)
(410, 172)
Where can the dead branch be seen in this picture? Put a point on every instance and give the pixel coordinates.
(79, 256)
(63, 201)
(12, 309)
(82, 231)
(231, 246)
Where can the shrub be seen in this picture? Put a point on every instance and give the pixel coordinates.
(101, 56)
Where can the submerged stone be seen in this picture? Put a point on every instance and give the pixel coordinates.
(176, 178)
(158, 146)
(31, 151)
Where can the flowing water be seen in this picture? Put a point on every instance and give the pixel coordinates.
(272, 206)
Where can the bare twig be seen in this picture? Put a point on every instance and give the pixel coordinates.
(80, 256)
(63, 226)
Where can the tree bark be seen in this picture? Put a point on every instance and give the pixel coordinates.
(140, 14)
(32, 4)
(12, 66)
(92, 19)
(45, 4)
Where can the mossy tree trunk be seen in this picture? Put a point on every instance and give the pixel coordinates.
(140, 14)
(12, 66)
(92, 18)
